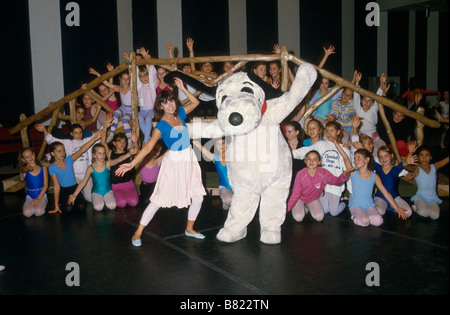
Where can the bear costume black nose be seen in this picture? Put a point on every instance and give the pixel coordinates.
(235, 119)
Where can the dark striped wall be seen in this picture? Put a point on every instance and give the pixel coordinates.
(16, 81)
(95, 42)
(320, 25)
(145, 26)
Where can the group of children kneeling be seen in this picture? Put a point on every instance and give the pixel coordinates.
(318, 185)
(87, 166)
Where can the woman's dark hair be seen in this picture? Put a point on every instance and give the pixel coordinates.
(163, 97)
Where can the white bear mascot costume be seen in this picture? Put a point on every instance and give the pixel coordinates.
(259, 160)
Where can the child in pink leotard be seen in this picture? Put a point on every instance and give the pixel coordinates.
(149, 170)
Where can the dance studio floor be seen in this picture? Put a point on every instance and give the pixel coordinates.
(333, 257)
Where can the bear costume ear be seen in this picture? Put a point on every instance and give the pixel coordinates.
(269, 90)
(199, 86)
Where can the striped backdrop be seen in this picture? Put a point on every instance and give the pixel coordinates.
(45, 59)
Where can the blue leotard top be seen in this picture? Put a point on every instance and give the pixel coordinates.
(362, 191)
(101, 181)
(66, 176)
(222, 172)
(389, 180)
(175, 140)
(426, 186)
(34, 183)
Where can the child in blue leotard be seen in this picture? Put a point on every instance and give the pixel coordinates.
(99, 170)
(225, 190)
(362, 207)
(426, 200)
(179, 182)
(62, 173)
(36, 179)
(389, 173)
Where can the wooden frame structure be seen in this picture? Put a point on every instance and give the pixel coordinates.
(241, 60)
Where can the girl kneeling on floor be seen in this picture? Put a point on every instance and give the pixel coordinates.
(309, 185)
(36, 180)
(362, 207)
(63, 176)
(426, 200)
(102, 193)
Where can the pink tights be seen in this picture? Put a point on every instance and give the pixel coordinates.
(125, 194)
(299, 210)
(331, 203)
(363, 217)
(382, 205)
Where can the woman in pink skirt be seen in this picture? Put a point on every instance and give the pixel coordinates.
(179, 182)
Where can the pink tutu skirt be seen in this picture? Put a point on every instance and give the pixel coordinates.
(179, 179)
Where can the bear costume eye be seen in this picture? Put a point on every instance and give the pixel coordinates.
(247, 90)
(223, 98)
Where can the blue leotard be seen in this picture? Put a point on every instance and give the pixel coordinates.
(175, 140)
(222, 172)
(101, 181)
(34, 183)
(426, 186)
(362, 191)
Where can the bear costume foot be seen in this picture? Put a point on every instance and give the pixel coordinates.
(270, 237)
(227, 236)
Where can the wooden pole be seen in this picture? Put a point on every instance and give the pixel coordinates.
(24, 133)
(49, 129)
(218, 79)
(225, 75)
(329, 94)
(284, 68)
(390, 134)
(381, 100)
(98, 100)
(235, 58)
(419, 127)
(134, 94)
(73, 116)
(56, 105)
